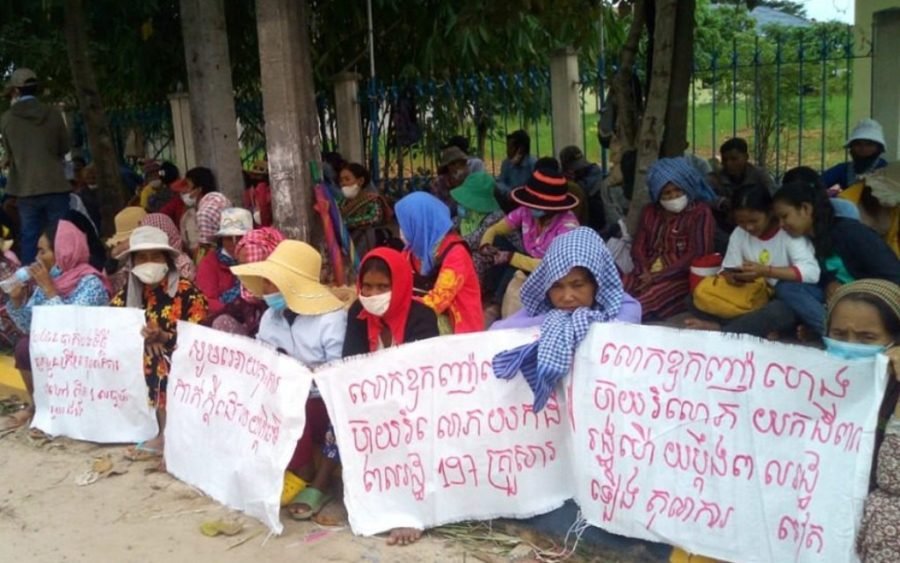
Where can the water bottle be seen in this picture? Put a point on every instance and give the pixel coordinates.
(18, 279)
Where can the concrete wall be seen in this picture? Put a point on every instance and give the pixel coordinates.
(862, 68)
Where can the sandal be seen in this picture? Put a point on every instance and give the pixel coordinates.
(140, 452)
(313, 498)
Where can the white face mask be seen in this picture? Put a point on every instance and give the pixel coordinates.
(257, 217)
(92, 186)
(350, 192)
(188, 200)
(676, 205)
(151, 273)
(377, 304)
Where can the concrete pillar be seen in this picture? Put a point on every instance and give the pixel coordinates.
(349, 120)
(183, 138)
(565, 94)
(885, 93)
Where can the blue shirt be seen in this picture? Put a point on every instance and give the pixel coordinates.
(515, 175)
(843, 174)
(89, 292)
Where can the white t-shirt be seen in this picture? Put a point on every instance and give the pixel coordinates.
(780, 250)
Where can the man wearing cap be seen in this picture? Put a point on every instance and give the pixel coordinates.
(35, 142)
(606, 205)
(452, 173)
(866, 145)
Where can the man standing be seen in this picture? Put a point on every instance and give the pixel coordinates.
(35, 142)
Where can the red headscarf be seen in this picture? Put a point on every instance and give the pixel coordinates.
(401, 297)
(70, 250)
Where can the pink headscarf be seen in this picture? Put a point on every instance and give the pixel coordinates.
(72, 256)
(258, 244)
(209, 211)
(164, 223)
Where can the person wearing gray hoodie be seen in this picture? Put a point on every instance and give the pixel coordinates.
(35, 142)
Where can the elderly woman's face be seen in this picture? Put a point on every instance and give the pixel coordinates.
(575, 289)
(858, 322)
(670, 191)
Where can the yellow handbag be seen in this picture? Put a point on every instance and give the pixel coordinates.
(714, 295)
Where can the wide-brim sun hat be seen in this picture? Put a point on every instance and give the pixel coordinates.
(235, 222)
(126, 222)
(545, 190)
(476, 193)
(867, 130)
(452, 154)
(294, 268)
(148, 239)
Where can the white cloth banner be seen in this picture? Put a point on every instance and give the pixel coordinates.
(235, 410)
(729, 447)
(88, 375)
(429, 436)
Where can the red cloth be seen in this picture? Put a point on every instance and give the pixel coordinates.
(175, 209)
(317, 424)
(73, 258)
(401, 297)
(213, 279)
(457, 292)
(259, 197)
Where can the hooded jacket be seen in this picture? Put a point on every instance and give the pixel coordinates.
(36, 141)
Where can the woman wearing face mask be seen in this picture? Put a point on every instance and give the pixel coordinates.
(228, 312)
(677, 227)
(362, 209)
(63, 276)
(306, 321)
(203, 207)
(864, 320)
(155, 286)
(445, 272)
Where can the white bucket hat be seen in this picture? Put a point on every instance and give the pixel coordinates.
(867, 130)
(148, 238)
(235, 222)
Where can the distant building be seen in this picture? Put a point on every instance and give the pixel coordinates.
(770, 16)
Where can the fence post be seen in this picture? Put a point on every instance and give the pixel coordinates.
(564, 100)
(349, 120)
(182, 137)
(885, 94)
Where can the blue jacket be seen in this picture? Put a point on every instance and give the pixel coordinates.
(843, 174)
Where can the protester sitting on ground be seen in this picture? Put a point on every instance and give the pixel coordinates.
(877, 197)
(577, 271)
(473, 163)
(675, 228)
(864, 320)
(152, 184)
(581, 210)
(866, 145)
(516, 169)
(228, 312)
(157, 192)
(306, 321)
(155, 285)
(198, 186)
(576, 285)
(446, 274)
(735, 172)
(805, 174)
(362, 208)
(452, 173)
(256, 246)
(759, 250)
(183, 263)
(846, 250)
(62, 275)
(603, 205)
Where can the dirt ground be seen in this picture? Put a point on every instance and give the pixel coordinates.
(143, 515)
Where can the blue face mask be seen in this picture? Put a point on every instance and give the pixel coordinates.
(460, 211)
(275, 301)
(538, 213)
(852, 350)
(55, 272)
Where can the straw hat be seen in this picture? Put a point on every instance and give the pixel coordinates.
(126, 221)
(235, 222)
(148, 238)
(452, 154)
(293, 268)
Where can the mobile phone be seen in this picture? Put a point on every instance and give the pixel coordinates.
(732, 270)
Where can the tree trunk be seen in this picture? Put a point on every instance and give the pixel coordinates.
(109, 179)
(289, 106)
(214, 125)
(675, 136)
(627, 104)
(653, 123)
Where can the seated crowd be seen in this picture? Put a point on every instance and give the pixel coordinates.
(814, 259)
